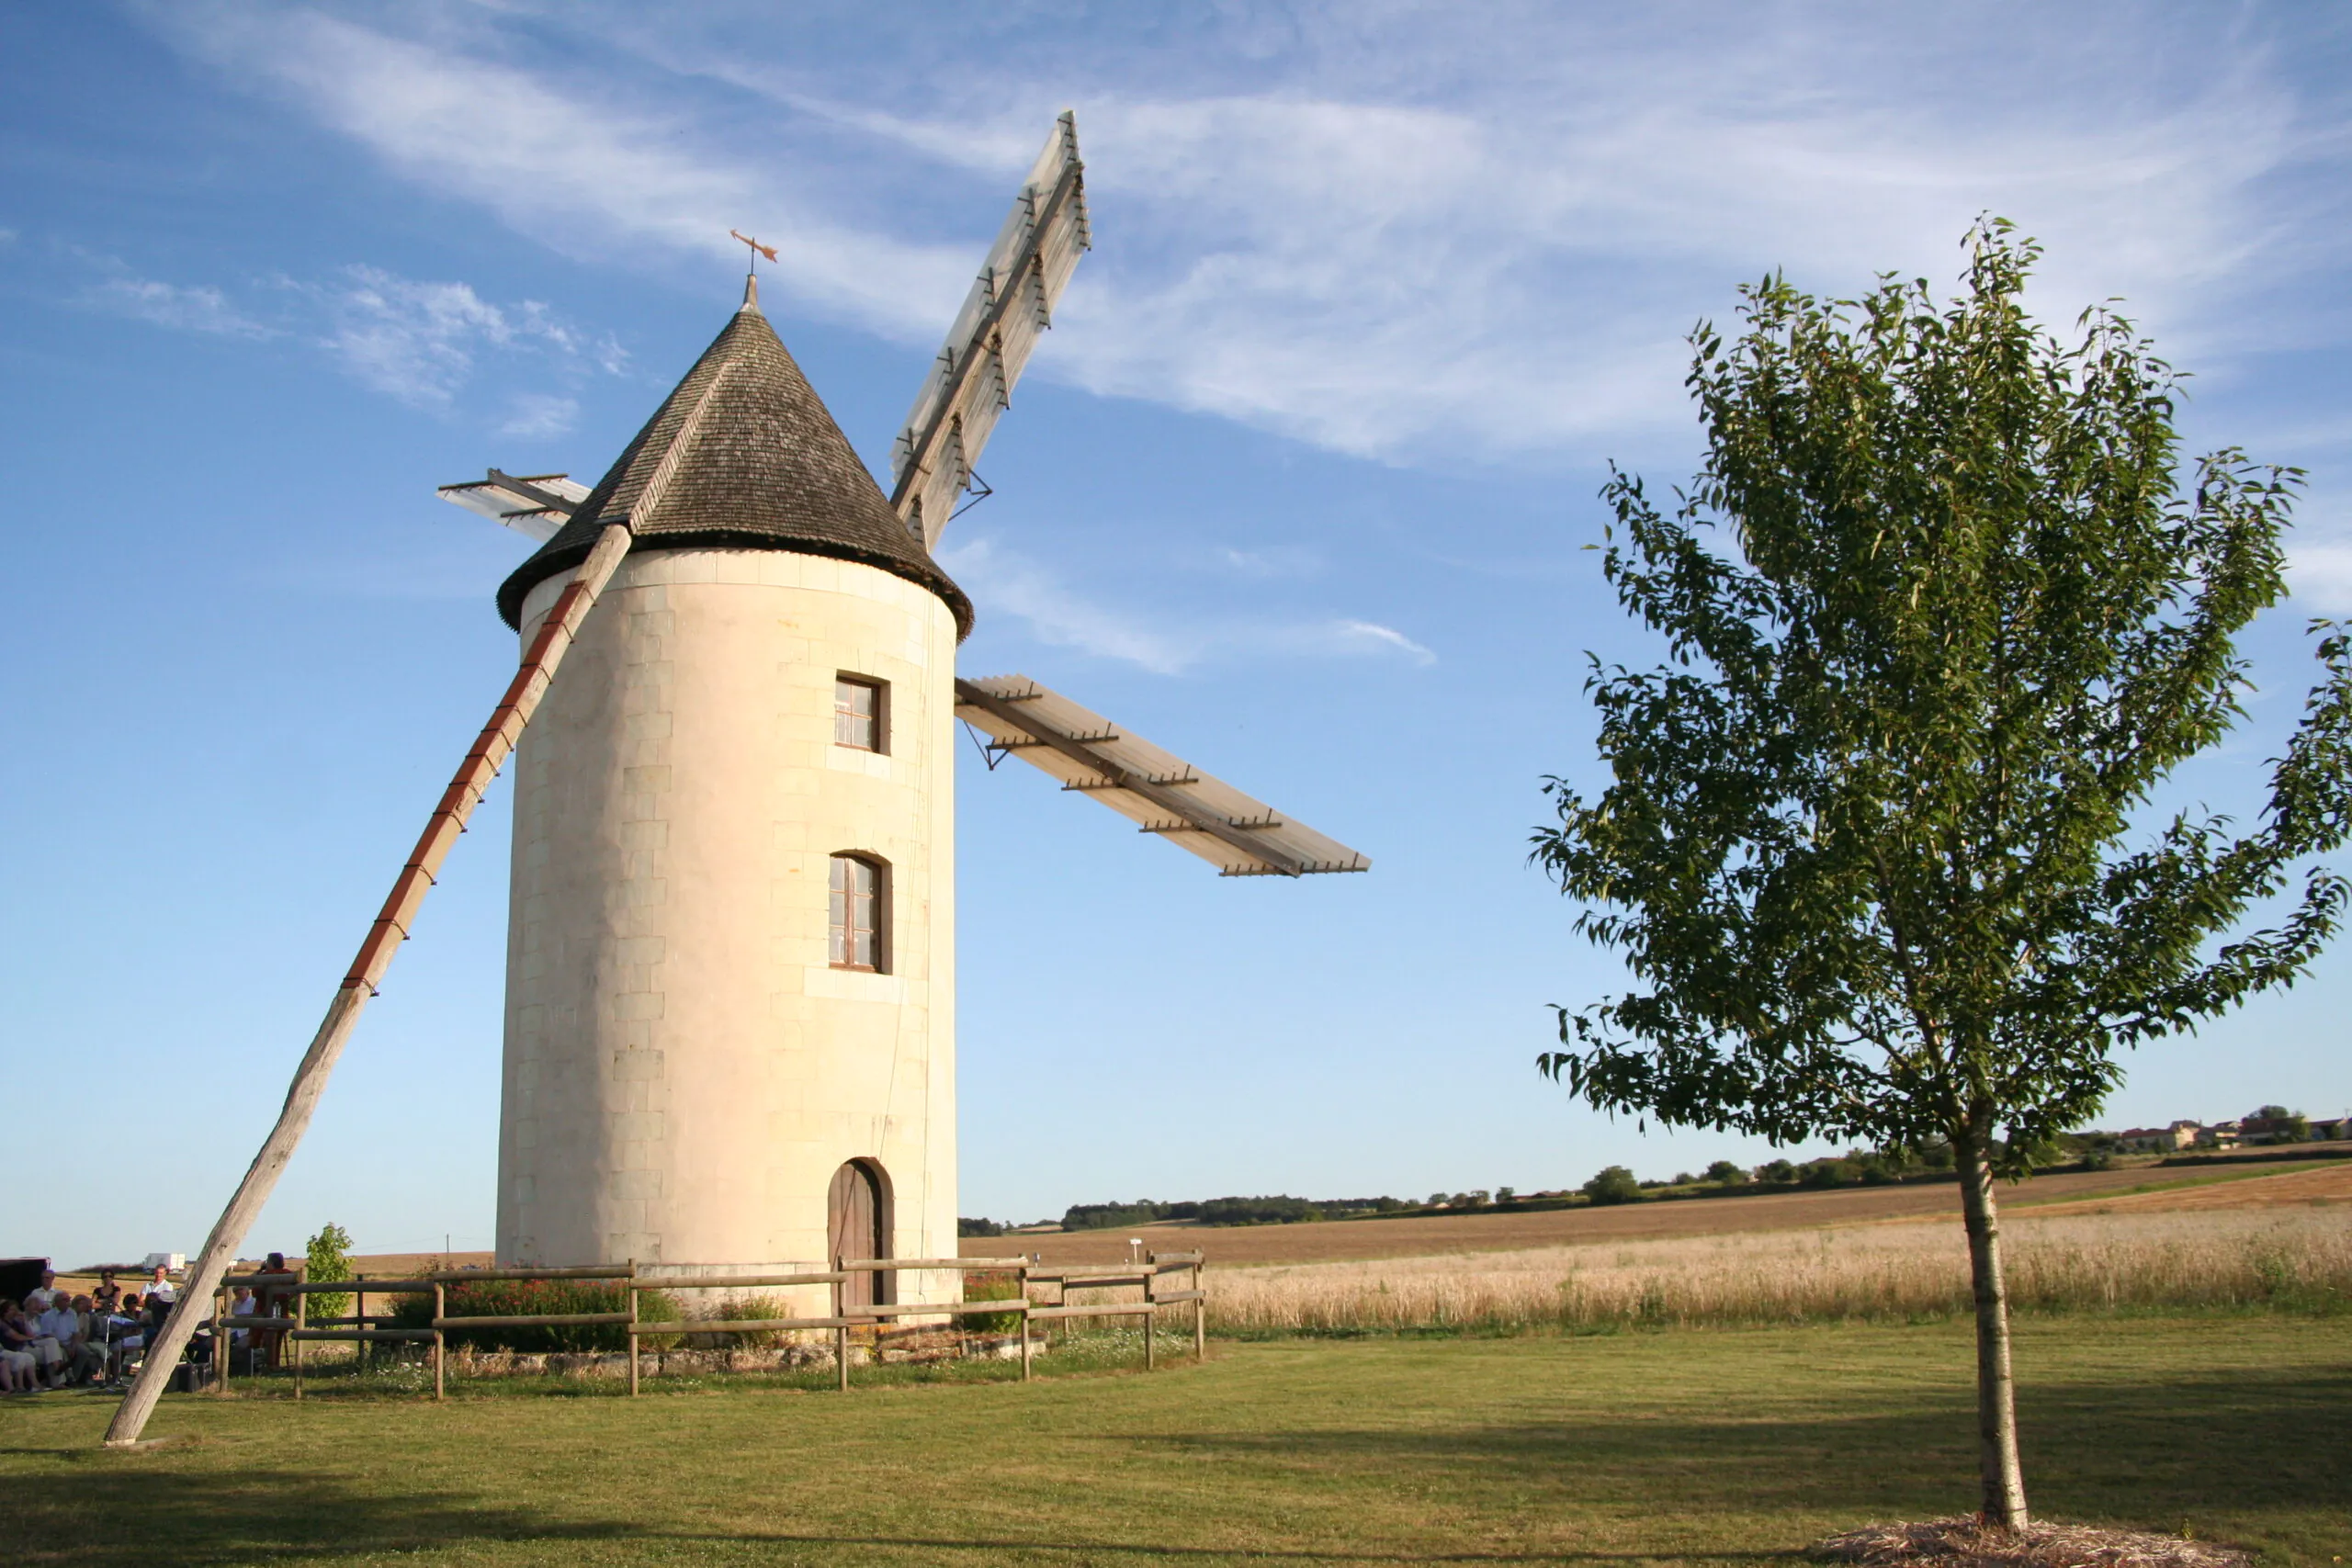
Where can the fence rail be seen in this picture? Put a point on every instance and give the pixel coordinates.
(362, 1328)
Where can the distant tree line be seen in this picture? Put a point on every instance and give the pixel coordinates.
(1932, 1160)
(1277, 1209)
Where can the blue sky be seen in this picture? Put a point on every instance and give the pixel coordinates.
(1296, 488)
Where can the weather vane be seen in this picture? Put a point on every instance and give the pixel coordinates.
(767, 251)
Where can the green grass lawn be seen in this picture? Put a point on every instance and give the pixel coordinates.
(1689, 1447)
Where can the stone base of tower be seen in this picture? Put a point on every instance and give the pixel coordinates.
(687, 1069)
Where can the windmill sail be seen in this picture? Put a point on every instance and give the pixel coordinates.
(1013, 300)
(1158, 792)
(534, 505)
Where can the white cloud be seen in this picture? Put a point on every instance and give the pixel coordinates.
(1001, 582)
(1269, 561)
(419, 339)
(2320, 574)
(1372, 637)
(539, 415)
(1421, 233)
(580, 170)
(414, 341)
(183, 308)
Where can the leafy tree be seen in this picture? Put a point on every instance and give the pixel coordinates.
(1873, 846)
(1776, 1170)
(2282, 1125)
(1825, 1173)
(1612, 1184)
(1725, 1174)
(329, 1259)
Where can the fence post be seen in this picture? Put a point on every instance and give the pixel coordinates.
(220, 1341)
(1200, 1317)
(301, 1320)
(440, 1338)
(841, 1329)
(1025, 1323)
(632, 1328)
(362, 1352)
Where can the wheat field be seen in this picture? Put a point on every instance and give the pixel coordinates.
(2297, 1258)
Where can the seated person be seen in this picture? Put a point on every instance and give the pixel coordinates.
(18, 1336)
(68, 1323)
(20, 1372)
(241, 1304)
(37, 1300)
(108, 1297)
(276, 1299)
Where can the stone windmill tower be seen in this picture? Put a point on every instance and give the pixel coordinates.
(730, 991)
(730, 974)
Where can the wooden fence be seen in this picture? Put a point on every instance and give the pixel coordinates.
(364, 1329)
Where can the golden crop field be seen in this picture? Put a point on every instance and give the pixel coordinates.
(1339, 1240)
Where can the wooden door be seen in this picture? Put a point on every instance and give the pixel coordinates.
(858, 1226)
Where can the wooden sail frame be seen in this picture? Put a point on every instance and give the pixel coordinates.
(988, 345)
(1160, 792)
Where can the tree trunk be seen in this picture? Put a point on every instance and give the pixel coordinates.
(1996, 1409)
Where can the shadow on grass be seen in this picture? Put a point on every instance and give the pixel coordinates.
(89, 1516)
(105, 1509)
(2155, 1452)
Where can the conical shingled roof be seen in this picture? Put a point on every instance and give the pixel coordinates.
(742, 455)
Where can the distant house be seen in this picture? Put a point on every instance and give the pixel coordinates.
(2221, 1135)
(2159, 1140)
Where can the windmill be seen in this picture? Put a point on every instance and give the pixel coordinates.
(730, 1028)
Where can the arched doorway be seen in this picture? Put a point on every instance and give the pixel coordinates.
(858, 1214)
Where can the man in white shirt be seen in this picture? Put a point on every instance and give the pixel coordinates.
(159, 1289)
(64, 1324)
(43, 1296)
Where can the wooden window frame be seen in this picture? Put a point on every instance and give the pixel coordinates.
(881, 689)
(841, 934)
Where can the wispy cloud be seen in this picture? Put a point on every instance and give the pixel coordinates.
(537, 415)
(1372, 637)
(1003, 583)
(1421, 235)
(181, 307)
(584, 172)
(1266, 562)
(418, 341)
(2320, 572)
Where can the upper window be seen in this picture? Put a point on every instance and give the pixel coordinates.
(861, 712)
(860, 913)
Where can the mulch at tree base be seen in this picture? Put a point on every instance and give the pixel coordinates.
(1966, 1542)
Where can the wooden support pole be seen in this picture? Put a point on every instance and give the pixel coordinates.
(219, 1342)
(362, 1355)
(491, 750)
(1025, 1323)
(301, 1322)
(440, 1338)
(632, 1328)
(1150, 1322)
